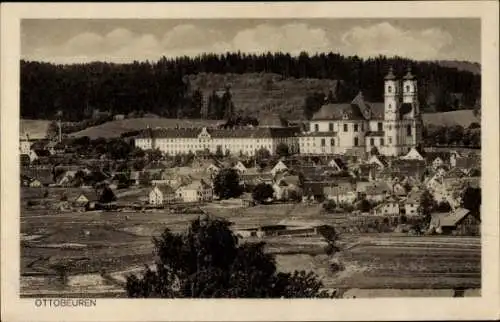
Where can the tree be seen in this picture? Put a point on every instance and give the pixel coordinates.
(218, 152)
(426, 205)
(374, 151)
(471, 199)
(207, 261)
(153, 155)
(262, 154)
(227, 184)
(363, 205)
(282, 150)
(107, 195)
(262, 192)
(329, 206)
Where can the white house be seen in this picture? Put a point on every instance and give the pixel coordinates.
(240, 167)
(337, 164)
(413, 154)
(278, 167)
(35, 183)
(341, 193)
(162, 194)
(82, 199)
(378, 161)
(196, 191)
(389, 207)
(212, 169)
(411, 203)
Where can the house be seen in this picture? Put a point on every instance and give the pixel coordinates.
(162, 194)
(313, 191)
(82, 199)
(25, 160)
(338, 164)
(284, 189)
(87, 200)
(37, 154)
(409, 168)
(459, 222)
(240, 167)
(411, 204)
(118, 117)
(379, 161)
(35, 183)
(389, 207)
(342, 192)
(135, 177)
(212, 169)
(398, 189)
(278, 167)
(196, 191)
(251, 180)
(373, 191)
(413, 154)
(437, 159)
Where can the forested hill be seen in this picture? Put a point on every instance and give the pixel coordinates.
(169, 87)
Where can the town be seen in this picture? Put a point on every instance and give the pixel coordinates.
(359, 167)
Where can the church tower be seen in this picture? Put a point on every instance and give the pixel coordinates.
(392, 94)
(410, 94)
(413, 121)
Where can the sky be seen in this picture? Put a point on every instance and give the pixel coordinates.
(124, 40)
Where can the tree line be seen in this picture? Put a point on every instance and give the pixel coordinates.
(162, 87)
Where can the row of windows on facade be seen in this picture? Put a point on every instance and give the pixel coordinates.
(356, 142)
(209, 140)
(356, 127)
(206, 146)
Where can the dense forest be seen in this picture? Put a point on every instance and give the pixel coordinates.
(162, 87)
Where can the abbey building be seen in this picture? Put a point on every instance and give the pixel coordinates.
(393, 127)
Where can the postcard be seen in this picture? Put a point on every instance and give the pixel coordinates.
(250, 161)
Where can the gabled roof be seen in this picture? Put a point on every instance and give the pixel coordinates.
(165, 189)
(314, 188)
(453, 218)
(431, 156)
(373, 188)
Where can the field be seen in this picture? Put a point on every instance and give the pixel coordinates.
(461, 117)
(120, 243)
(36, 129)
(117, 127)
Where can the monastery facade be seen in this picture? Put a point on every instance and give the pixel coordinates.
(393, 127)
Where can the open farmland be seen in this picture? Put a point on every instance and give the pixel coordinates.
(120, 242)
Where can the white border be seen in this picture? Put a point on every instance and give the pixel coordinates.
(485, 307)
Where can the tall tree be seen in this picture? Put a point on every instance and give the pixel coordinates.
(227, 184)
(207, 261)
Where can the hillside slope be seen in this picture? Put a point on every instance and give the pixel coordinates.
(462, 117)
(263, 94)
(116, 128)
(35, 129)
(474, 68)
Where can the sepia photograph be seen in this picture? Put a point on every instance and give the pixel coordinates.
(250, 158)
